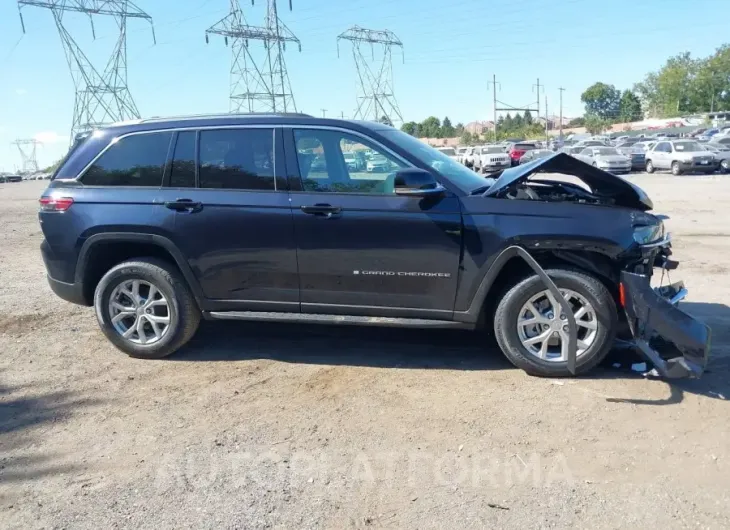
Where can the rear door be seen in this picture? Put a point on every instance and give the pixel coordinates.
(228, 212)
(362, 250)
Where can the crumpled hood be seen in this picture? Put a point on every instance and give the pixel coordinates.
(600, 182)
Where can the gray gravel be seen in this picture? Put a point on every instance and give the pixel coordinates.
(294, 426)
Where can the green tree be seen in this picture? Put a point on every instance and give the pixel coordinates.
(466, 138)
(595, 124)
(385, 120)
(527, 118)
(517, 121)
(508, 124)
(411, 128)
(602, 100)
(430, 127)
(630, 107)
(447, 130)
(577, 122)
(459, 129)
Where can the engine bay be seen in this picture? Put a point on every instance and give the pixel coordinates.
(554, 191)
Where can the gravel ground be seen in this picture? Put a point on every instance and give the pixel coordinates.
(292, 426)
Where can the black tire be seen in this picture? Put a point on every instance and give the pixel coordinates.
(676, 170)
(507, 312)
(183, 311)
(724, 166)
(649, 166)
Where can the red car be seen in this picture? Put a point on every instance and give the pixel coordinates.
(519, 149)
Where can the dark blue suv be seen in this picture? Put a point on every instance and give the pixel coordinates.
(157, 223)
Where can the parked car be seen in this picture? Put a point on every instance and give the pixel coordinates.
(606, 158)
(534, 154)
(707, 135)
(468, 157)
(552, 267)
(491, 158)
(378, 163)
(680, 156)
(720, 140)
(571, 150)
(517, 150)
(461, 152)
(13, 178)
(353, 162)
(591, 143)
(721, 153)
(634, 152)
(448, 151)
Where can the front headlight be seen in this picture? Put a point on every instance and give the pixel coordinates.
(644, 235)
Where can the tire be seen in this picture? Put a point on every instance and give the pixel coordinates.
(591, 289)
(725, 166)
(182, 311)
(676, 171)
(649, 166)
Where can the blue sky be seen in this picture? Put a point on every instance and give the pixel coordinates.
(452, 48)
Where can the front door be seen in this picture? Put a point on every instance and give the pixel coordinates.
(228, 212)
(361, 249)
(662, 156)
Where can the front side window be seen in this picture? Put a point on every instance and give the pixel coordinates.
(240, 159)
(337, 162)
(136, 160)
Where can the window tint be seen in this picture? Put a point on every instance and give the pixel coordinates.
(136, 160)
(330, 161)
(241, 159)
(182, 174)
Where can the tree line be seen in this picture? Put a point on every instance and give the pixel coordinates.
(683, 85)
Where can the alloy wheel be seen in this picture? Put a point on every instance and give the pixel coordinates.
(542, 327)
(139, 312)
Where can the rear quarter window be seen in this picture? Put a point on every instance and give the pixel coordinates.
(136, 160)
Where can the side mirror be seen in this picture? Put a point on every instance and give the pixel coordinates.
(417, 183)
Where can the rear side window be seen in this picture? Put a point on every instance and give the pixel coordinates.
(241, 159)
(182, 172)
(137, 160)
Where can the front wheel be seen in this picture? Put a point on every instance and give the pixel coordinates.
(145, 308)
(649, 167)
(676, 170)
(532, 330)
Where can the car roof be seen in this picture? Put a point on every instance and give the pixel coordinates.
(223, 120)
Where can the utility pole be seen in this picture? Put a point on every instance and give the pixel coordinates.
(28, 158)
(494, 97)
(324, 112)
(547, 120)
(102, 97)
(342, 114)
(561, 89)
(257, 85)
(375, 94)
(538, 96)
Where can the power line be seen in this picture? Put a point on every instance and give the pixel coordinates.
(101, 98)
(375, 85)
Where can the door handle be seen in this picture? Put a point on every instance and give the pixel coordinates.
(184, 205)
(322, 210)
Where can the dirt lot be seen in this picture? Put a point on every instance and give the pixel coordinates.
(257, 426)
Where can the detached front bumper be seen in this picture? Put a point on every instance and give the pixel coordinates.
(653, 316)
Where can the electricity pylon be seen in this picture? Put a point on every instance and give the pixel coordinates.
(101, 98)
(376, 100)
(28, 158)
(257, 85)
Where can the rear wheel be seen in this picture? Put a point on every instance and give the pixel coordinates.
(676, 170)
(649, 166)
(145, 308)
(532, 330)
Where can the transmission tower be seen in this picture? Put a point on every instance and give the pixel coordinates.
(101, 98)
(375, 76)
(27, 148)
(257, 85)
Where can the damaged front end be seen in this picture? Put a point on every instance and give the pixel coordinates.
(656, 323)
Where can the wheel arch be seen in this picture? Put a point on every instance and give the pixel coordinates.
(508, 269)
(101, 252)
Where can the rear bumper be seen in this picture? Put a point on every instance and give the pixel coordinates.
(71, 292)
(654, 316)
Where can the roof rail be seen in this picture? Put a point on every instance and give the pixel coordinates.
(224, 115)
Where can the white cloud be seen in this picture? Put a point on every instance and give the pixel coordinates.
(50, 137)
(21, 91)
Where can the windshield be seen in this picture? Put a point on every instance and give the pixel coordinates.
(466, 179)
(605, 151)
(687, 146)
(493, 149)
(447, 151)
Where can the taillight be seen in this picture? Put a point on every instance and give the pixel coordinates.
(55, 204)
(621, 295)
